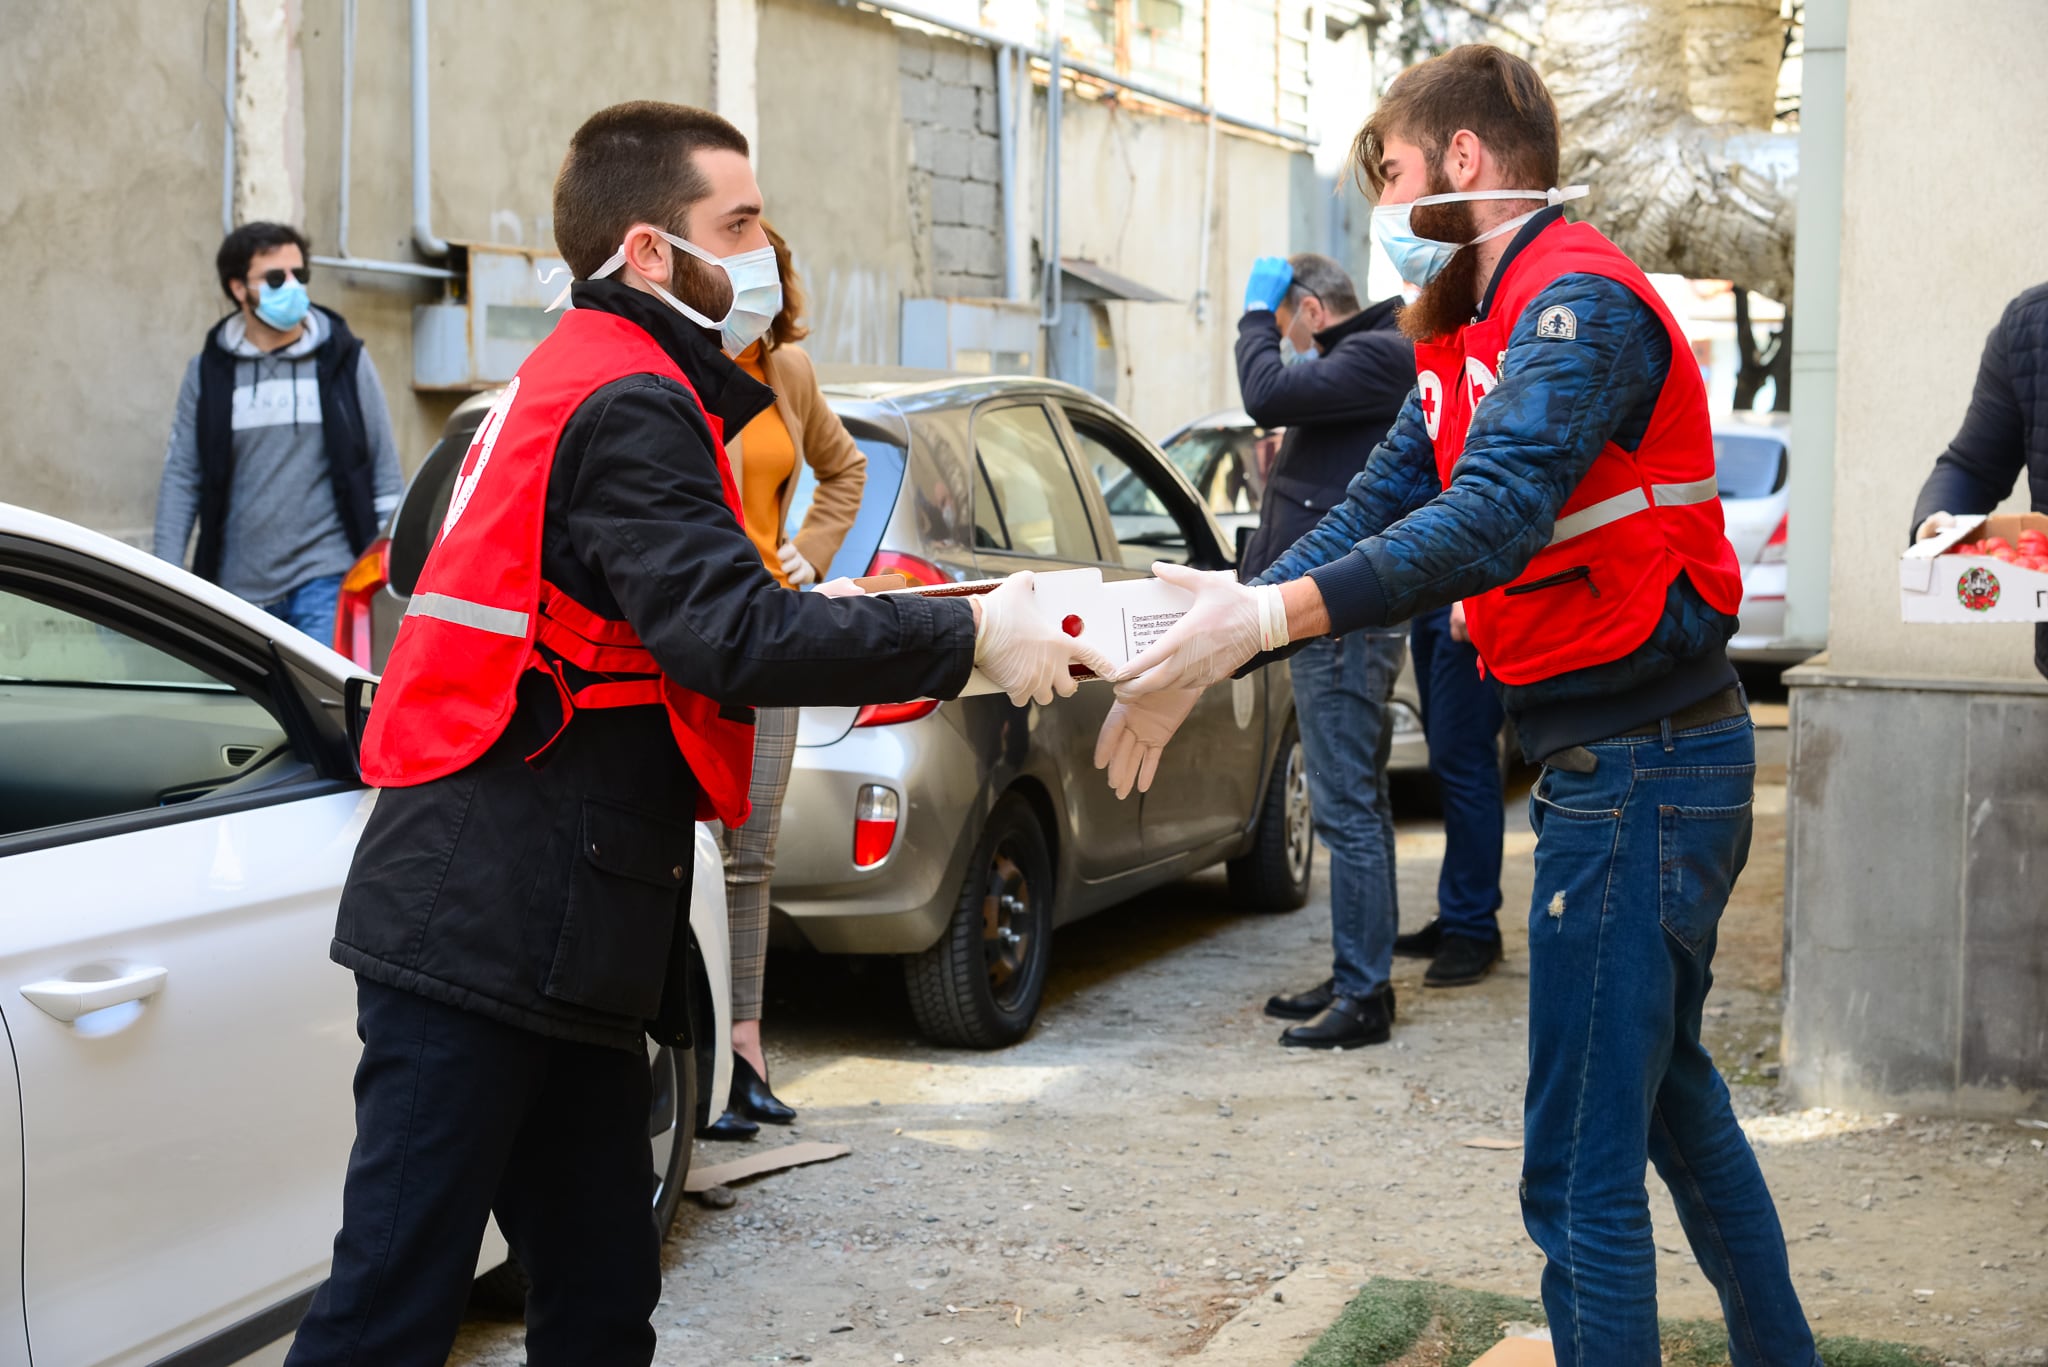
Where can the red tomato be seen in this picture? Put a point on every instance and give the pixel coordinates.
(2007, 554)
(1992, 545)
(2037, 563)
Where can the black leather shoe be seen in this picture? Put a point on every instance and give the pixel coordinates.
(1302, 1005)
(755, 1101)
(730, 1126)
(1420, 944)
(1461, 961)
(1347, 1023)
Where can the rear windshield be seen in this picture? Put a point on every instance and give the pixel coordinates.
(1748, 466)
(877, 501)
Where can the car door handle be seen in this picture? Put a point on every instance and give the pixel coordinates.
(69, 998)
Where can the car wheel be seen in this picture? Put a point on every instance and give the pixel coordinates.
(980, 985)
(501, 1292)
(1273, 875)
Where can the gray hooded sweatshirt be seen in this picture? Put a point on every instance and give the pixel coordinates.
(282, 528)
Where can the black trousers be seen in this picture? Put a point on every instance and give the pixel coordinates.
(459, 1117)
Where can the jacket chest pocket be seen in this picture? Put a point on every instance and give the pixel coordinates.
(626, 887)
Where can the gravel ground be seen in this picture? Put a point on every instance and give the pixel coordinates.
(1116, 1187)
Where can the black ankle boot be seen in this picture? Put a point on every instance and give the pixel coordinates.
(752, 1098)
(729, 1126)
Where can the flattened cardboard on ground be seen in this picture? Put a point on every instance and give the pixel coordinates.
(768, 1160)
(1517, 1352)
(1487, 1141)
(1943, 580)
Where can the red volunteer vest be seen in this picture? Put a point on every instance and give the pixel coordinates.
(481, 611)
(1636, 521)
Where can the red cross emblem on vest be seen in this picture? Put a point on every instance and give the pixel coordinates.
(1431, 400)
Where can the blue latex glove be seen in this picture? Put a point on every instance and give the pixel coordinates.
(1271, 275)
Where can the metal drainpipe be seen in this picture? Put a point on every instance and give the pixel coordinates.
(423, 237)
(1009, 61)
(1049, 234)
(1208, 215)
(227, 154)
(344, 261)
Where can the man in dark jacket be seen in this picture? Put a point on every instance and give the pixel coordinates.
(1554, 470)
(1310, 360)
(516, 917)
(281, 449)
(2004, 432)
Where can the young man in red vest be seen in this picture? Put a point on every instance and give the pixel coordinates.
(573, 682)
(1554, 470)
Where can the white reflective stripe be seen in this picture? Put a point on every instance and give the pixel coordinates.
(462, 612)
(1631, 502)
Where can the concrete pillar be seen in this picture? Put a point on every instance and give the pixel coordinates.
(270, 126)
(735, 52)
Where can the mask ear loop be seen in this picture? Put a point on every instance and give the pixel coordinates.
(618, 259)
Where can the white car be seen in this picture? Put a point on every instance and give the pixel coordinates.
(1752, 462)
(178, 806)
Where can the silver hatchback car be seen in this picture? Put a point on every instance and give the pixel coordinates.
(957, 835)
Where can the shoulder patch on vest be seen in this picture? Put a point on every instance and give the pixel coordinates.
(1558, 324)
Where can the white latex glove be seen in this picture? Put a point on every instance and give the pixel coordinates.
(1228, 624)
(1023, 653)
(1934, 526)
(799, 570)
(1460, 632)
(841, 587)
(1135, 733)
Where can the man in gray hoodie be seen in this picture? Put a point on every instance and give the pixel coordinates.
(281, 451)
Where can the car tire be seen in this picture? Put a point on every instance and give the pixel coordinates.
(1274, 874)
(980, 985)
(501, 1292)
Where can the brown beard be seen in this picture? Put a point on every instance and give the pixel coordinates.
(703, 287)
(1448, 302)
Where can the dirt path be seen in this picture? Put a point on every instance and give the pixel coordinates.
(1113, 1189)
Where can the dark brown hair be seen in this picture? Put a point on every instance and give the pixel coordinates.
(633, 163)
(1495, 94)
(248, 242)
(788, 326)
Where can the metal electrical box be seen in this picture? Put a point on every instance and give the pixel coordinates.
(494, 316)
(973, 336)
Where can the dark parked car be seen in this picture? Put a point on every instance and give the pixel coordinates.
(957, 835)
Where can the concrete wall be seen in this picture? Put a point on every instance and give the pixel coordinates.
(1935, 241)
(1916, 913)
(949, 107)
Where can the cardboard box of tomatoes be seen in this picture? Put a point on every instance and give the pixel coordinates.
(1983, 569)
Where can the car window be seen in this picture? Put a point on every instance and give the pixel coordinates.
(1220, 463)
(1147, 526)
(886, 461)
(1748, 466)
(1034, 506)
(94, 722)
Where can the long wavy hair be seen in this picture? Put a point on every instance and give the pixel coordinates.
(788, 326)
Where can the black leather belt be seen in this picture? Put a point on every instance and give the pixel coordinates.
(1729, 702)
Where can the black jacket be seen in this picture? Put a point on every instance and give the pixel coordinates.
(1335, 407)
(553, 898)
(349, 463)
(2005, 430)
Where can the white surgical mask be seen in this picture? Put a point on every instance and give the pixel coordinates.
(1418, 259)
(756, 291)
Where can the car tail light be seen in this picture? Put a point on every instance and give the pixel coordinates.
(1773, 552)
(919, 572)
(875, 813)
(359, 589)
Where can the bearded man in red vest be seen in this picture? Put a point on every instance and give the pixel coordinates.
(574, 679)
(1553, 469)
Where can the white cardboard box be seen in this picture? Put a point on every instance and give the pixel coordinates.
(1944, 579)
(1119, 617)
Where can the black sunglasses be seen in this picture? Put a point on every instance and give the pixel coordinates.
(275, 278)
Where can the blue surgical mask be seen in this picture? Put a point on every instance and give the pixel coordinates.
(1293, 355)
(1419, 259)
(756, 291)
(284, 307)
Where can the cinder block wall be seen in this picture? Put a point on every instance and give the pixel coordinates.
(949, 108)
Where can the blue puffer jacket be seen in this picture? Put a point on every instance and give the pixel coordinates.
(1400, 545)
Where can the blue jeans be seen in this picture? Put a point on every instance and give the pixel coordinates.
(1461, 717)
(1634, 863)
(1341, 689)
(310, 607)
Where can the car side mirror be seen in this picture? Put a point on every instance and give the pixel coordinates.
(357, 695)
